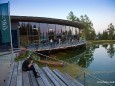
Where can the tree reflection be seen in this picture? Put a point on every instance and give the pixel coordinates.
(84, 59)
(105, 45)
(87, 58)
(111, 50)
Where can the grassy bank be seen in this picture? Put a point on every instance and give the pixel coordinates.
(63, 55)
(100, 41)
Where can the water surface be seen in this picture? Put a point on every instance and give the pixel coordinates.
(99, 60)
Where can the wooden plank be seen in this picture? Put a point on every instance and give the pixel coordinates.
(69, 80)
(19, 75)
(61, 76)
(18, 78)
(25, 78)
(32, 79)
(78, 83)
(54, 77)
(39, 79)
(75, 82)
(10, 73)
(51, 77)
(40, 82)
(58, 79)
(31, 84)
(43, 77)
(14, 77)
(49, 80)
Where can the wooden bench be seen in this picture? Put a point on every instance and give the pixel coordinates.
(16, 77)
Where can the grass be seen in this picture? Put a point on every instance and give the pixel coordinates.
(100, 41)
(63, 55)
(72, 69)
(21, 56)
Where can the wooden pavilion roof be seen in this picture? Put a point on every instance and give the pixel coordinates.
(46, 20)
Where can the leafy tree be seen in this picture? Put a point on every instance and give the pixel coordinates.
(99, 36)
(72, 17)
(111, 30)
(92, 34)
(105, 35)
(88, 31)
(114, 37)
(108, 34)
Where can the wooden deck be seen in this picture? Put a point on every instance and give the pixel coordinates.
(16, 77)
(57, 47)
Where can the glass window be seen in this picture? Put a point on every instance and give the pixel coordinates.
(63, 33)
(77, 30)
(67, 30)
(35, 27)
(63, 30)
(58, 29)
(35, 32)
(73, 31)
(43, 31)
(52, 31)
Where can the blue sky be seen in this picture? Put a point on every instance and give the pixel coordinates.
(100, 12)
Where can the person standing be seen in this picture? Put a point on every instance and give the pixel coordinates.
(51, 42)
(59, 42)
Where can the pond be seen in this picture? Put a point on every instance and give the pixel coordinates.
(98, 60)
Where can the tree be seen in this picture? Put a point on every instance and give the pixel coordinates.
(72, 17)
(88, 30)
(99, 36)
(105, 35)
(92, 35)
(111, 30)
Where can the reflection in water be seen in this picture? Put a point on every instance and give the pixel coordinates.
(105, 45)
(86, 58)
(111, 50)
(99, 60)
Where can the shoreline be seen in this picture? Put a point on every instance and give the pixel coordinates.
(100, 41)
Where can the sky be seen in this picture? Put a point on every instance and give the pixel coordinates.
(100, 12)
